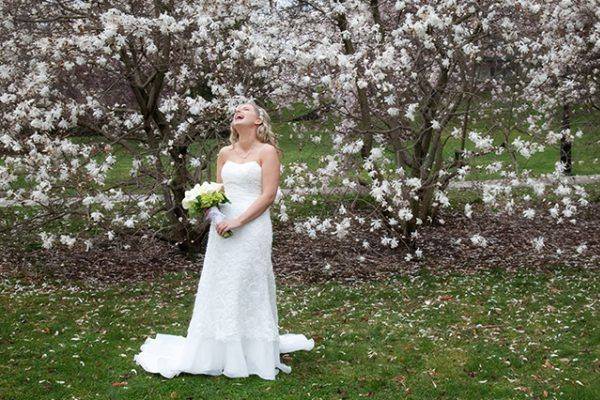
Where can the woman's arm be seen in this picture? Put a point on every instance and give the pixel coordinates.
(220, 161)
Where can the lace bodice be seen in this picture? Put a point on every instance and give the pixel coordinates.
(242, 180)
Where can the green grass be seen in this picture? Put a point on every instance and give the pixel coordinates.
(488, 336)
(295, 149)
(586, 158)
(586, 153)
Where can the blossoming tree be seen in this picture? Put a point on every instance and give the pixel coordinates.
(422, 95)
(422, 92)
(565, 50)
(151, 78)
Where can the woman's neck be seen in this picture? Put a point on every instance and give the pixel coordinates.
(246, 141)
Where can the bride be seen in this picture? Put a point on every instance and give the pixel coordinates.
(234, 325)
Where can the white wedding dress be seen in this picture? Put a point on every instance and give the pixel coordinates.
(234, 326)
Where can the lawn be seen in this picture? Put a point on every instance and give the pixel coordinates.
(493, 335)
(301, 148)
(586, 153)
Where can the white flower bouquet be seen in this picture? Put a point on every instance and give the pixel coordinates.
(206, 196)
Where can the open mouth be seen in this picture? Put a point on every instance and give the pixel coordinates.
(239, 117)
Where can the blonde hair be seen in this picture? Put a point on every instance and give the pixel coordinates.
(264, 132)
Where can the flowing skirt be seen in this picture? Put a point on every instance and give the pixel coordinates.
(234, 326)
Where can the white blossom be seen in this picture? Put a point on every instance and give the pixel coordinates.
(479, 240)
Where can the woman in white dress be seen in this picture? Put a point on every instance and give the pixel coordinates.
(234, 326)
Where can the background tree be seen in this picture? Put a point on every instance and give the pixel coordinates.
(421, 92)
(564, 78)
(155, 81)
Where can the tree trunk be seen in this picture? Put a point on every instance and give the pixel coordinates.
(180, 229)
(365, 123)
(566, 156)
(459, 154)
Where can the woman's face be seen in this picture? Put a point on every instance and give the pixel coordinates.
(245, 115)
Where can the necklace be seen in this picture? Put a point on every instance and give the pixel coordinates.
(247, 153)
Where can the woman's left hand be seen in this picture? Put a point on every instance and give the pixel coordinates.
(227, 225)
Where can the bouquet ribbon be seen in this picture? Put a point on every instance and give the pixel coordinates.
(215, 215)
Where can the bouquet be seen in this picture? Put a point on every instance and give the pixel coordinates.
(206, 196)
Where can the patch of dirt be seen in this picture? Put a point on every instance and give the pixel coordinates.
(297, 258)
(123, 259)
(446, 248)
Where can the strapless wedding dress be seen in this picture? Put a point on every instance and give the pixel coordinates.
(234, 325)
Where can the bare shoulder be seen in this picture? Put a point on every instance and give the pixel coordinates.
(225, 150)
(268, 151)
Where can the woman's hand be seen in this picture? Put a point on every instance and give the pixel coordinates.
(227, 225)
